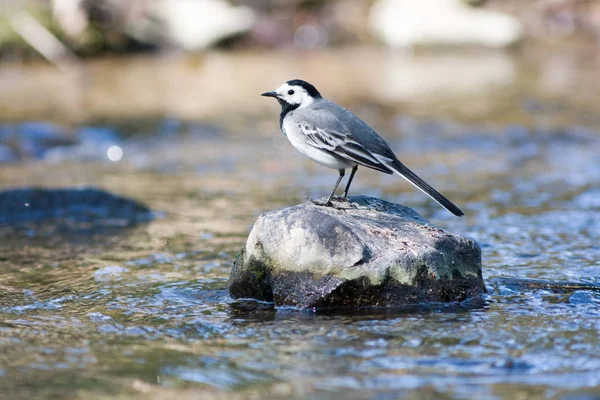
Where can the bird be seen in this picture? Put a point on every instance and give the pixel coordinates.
(336, 138)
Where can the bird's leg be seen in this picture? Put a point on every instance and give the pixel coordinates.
(337, 183)
(350, 180)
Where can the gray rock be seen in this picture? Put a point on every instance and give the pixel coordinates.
(69, 208)
(361, 252)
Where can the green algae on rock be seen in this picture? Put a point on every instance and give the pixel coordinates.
(361, 252)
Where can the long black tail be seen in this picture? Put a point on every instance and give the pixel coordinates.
(410, 176)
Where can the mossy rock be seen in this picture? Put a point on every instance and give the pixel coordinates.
(361, 252)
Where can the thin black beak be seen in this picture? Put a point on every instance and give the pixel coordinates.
(270, 94)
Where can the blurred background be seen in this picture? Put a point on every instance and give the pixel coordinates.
(495, 103)
(77, 61)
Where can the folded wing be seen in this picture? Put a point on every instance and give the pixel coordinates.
(327, 133)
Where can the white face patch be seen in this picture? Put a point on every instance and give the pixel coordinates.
(294, 95)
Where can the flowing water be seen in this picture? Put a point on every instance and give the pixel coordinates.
(142, 311)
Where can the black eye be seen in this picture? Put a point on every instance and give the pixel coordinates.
(291, 92)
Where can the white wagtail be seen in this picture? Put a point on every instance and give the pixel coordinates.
(336, 138)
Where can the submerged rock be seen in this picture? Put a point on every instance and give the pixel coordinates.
(361, 252)
(69, 208)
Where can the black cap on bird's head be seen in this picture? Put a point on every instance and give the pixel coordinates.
(310, 89)
(294, 92)
(292, 95)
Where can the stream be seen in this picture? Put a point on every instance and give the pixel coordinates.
(138, 307)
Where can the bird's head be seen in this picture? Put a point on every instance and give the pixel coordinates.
(295, 93)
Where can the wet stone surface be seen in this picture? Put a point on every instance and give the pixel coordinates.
(22, 206)
(360, 252)
(75, 213)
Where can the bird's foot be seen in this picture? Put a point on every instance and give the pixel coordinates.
(340, 198)
(322, 203)
(328, 202)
